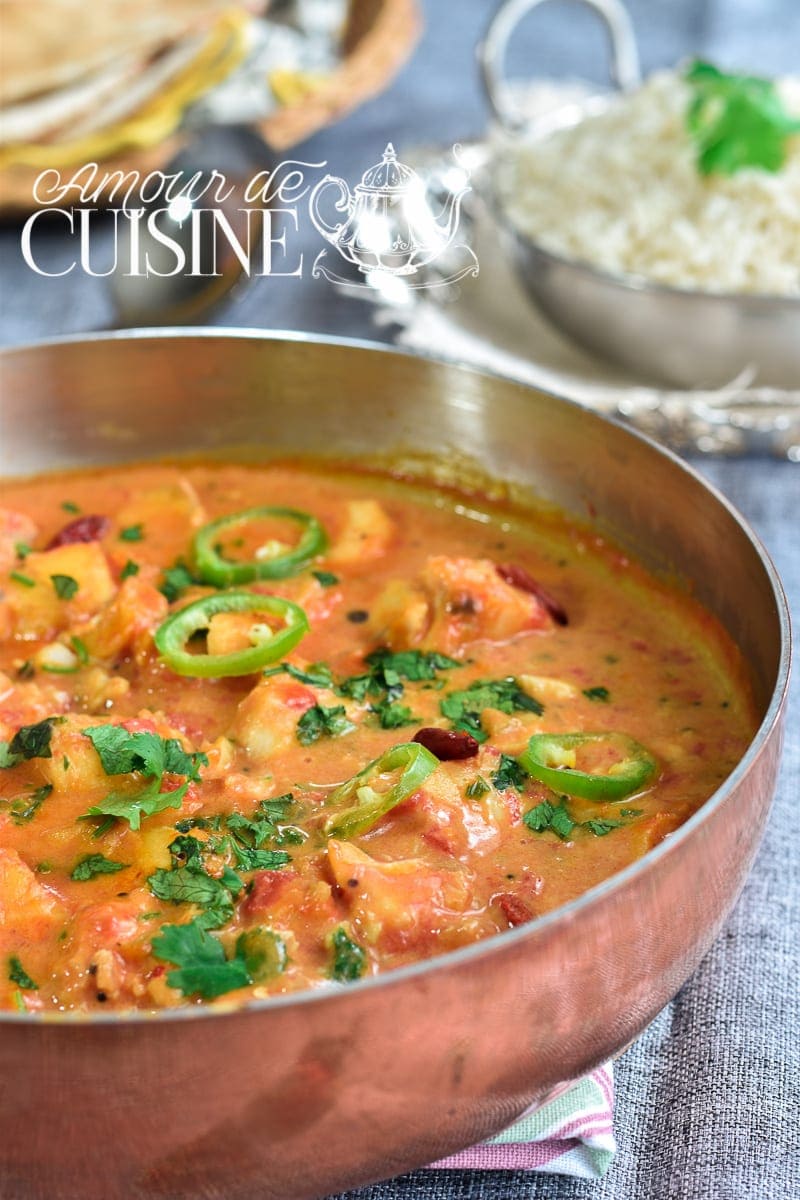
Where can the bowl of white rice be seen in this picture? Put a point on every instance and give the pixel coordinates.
(686, 277)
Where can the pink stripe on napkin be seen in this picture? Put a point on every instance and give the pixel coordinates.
(572, 1134)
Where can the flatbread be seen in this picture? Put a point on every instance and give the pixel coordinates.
(46, 45)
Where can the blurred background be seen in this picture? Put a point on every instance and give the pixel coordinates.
(435, 98)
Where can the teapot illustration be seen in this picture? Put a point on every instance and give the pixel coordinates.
(389, 225)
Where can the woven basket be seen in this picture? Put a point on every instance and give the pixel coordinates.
(377, 39)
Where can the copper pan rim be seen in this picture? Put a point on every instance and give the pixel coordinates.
(566, 913)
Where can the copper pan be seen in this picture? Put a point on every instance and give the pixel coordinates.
(303, 1096)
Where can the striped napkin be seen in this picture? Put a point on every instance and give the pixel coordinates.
(572, 1134)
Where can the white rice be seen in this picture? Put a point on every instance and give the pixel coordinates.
(622, 192)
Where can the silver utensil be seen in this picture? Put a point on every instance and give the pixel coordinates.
(185, 261)
(686, 338)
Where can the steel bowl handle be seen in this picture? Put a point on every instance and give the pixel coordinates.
(625, 69)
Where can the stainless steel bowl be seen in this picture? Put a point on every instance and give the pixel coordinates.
(677, 336)
(304, 1095)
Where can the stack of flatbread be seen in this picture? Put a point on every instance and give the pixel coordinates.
(84, 82)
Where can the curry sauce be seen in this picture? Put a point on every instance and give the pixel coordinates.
(378, 755)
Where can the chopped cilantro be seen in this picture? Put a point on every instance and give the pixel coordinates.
(479, 787)
(187, 823)
(131, 568)
(387, 670)
(597, 693)
(26, 670)
(95, 864)
(326, 578)
(547, 816)
(187, 851)
(193, 885)
(392, 715)
(25, 580)
(317, 675)
(66, 587)
(22, 550)
(631, 812)
(30, 741)
(131, 533)
(414, 665)
(601, 826)
(260, 860)
(17, 974)
(70, 506)
(203, 968)
(509, 774)
(318, 721)
(26, 808)
(176, 580)
(464, 708)
(123, 753)
(355, 687)
(349, 959)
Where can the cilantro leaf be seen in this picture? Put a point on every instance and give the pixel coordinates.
(260, 860)
(414, 665)
(736, 121)
(132, 533)
(554, 817)
(66, 587)
(203, 968)
(188, 885)
(464, 708)
(176, 580)
(509, 774)
(326, 578)
(24, 808)
(30, 741)
(317, 675)
(122, 753)
(479, 787)
(349, 960)
(392, 715)
(547, 816)
(597, 693)
(601, 826)
(355, 687)
(95, 864)
(318, 721)
(131, 568)
(17, 974)
(187, 851)
(141, 804)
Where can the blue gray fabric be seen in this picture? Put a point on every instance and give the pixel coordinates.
(708, 1099)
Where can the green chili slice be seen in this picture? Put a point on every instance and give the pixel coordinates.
(277, 563)
(410, 758)
(550, 758)
(268, 645)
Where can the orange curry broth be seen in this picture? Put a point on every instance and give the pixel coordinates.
(439, 871)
